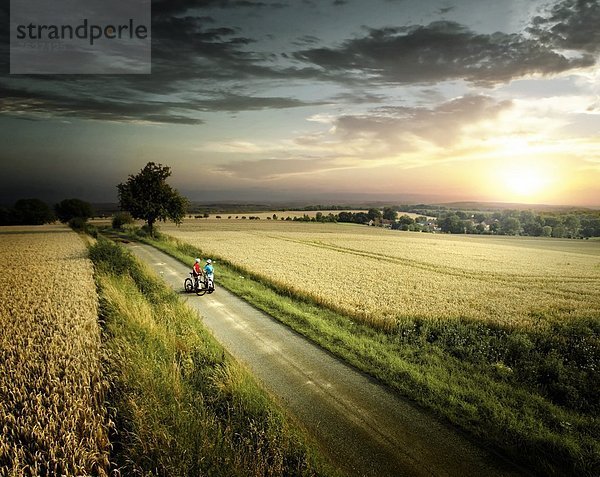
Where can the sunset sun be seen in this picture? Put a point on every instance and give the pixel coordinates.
(521, 171)
(524, 181)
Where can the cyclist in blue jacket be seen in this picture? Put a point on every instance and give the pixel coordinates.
(210, 273)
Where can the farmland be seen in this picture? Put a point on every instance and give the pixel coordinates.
(285, 214)
(182, 406)
(382, 277)
(51, 383)
(149, 392)
(498, 335)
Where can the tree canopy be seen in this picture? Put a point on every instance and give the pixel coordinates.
(73, 208)
(374, 214)
(389, 213)
(27, 212)
(147, 196)
(32, 212)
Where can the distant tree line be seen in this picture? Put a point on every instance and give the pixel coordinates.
(583, 224)
(372, 215)
(37, 212)
(312, 208)
(27, 212)
(574, 224)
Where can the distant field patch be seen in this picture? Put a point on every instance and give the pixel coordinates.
(284, 214)
(51, 387)
(22, 229)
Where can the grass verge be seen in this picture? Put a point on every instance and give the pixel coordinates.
(181, 405)
(533, 395)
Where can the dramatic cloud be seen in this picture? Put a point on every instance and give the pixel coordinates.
(119, 104)
(437, 52)
(189, 57)
(442, 126)
(43, 103)
(201, 65)
(334, 92)
(571, 24)
(359, 141)
(190, 48)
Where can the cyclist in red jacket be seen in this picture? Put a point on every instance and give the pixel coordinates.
(197, 272)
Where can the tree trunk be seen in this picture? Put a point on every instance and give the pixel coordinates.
(151, 227)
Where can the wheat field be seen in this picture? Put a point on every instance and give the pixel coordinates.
(382, 276)
(51, 387)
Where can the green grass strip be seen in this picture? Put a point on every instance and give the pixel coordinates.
(181, 404)
(444, 376)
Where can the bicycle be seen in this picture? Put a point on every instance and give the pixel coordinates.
(199, 284)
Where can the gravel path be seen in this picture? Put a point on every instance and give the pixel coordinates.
(364, 428)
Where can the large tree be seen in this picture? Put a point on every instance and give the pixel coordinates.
(147, 196)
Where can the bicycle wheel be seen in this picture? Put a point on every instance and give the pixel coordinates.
(188, 285)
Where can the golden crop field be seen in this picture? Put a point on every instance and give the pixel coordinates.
(382, 276)
(51, 386)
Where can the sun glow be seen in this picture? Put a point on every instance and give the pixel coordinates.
(520, 173)
(524, 181)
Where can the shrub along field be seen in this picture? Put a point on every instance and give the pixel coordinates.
(499, 335)
(52, 388)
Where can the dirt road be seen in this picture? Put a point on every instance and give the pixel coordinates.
(365, 429)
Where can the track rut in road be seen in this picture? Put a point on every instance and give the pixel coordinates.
(365, 429)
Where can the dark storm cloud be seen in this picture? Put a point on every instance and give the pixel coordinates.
(199, 65)
(437, 52)
(189, 47)
(233, 103)
(571, 24)
(17, 101)
(189, 56)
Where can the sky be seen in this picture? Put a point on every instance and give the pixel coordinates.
(281, 100)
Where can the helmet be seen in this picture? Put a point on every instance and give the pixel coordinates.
(197, 260)
(209, 261)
